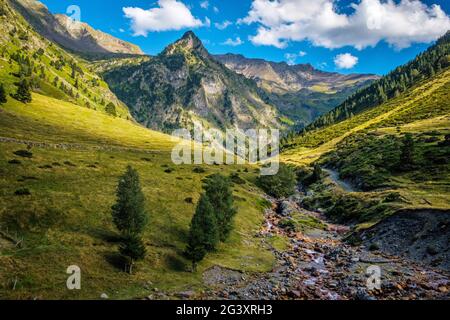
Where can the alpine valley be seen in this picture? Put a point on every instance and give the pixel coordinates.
(87, 182)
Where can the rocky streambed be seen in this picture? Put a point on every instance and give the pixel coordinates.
(318, 264)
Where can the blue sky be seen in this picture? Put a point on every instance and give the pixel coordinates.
(370, 36)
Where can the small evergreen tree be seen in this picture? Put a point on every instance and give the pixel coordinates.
(128, 213)
(133, 249)
(219, 192)
(111, 109)
(23, 93)
(317, 173)
(130, 217)
(407, 152)
(3, 98)
(203, 234)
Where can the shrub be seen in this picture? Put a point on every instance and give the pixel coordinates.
(23, 153)
(3, 98)
(23, 93)
(14, 161)
(22, 192)
(280, 185)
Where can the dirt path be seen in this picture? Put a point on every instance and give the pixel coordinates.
(334, 175)
(319, 265)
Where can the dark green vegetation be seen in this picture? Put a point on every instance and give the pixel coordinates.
(424, 66)
(3, 98)
(130, 217)
(213, 218)
(204, 232)
(23, 93)
(280, 185)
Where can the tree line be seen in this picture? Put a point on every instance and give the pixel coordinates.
(425, 65)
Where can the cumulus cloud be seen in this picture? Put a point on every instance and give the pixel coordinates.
(236, 42)
(216, 10)
(169, 15)
(302, 54)
(223, 25)
(398, 23)
(345, 61)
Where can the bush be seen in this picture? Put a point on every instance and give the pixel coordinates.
(14, 161)
(3, 98)
(280, 185)
(111, 109)
(23, 93)
(235, 178)
(23, 153)
(22, 192)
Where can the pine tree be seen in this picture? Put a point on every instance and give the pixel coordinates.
(204, 233)
(3, 98)
(111, 109)
(128, 213)
(219, 192)
(23, 93)
(407, 152)
(133, 249)
(130, 217)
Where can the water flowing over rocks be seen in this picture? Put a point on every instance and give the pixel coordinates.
(318, 264)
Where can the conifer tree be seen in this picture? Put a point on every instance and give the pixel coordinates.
(3, 98)
(204, 233)
(23, 93)
(130, 217)
(219, 192)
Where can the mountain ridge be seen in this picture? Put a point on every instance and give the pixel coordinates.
(73, 35)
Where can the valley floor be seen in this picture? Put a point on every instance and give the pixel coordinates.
(318, 264)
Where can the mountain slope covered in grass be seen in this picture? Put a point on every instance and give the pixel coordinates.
(49, 70)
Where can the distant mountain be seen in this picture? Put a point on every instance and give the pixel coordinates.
(185, 85)
(425, 66)
(70, 34)
(301, 92)
(280, 77)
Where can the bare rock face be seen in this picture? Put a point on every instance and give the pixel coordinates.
(70, 34)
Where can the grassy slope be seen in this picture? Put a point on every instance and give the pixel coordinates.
(91, 91)
(66, 220)
(423, 111)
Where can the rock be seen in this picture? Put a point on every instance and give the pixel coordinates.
(186, 294)
(104, 296)
(361, 294)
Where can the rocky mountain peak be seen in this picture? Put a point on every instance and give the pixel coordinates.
(188, 43)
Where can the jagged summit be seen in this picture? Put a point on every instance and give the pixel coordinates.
(188, 43)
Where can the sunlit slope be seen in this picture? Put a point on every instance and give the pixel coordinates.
(77, 157)
(428, 99)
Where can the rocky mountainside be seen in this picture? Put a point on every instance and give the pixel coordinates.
(184, 85)
(70, 34)
(284, 78)
(300, 92)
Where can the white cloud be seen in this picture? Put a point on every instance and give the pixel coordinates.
(319, 21)
(204, 4)
(207, 22)
(216, 10)
(345, 61)
(169, 15)
(291, 58)
(236, 42)
(121, 30)
(223, 25)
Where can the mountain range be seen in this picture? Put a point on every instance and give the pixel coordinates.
(185, 84)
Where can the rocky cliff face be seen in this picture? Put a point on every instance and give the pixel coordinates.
(70, 34)
(184, 85)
